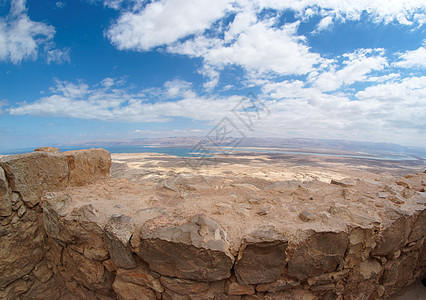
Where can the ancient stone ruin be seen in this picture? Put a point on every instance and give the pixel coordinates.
(69, 231)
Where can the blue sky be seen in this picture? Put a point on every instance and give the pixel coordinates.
(77, 71)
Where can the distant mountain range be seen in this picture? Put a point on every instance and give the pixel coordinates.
(296, 144)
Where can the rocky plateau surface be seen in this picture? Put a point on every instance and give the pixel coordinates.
(161, 227)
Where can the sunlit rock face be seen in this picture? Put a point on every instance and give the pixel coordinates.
(164, 231)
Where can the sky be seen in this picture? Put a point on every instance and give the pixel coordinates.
(104, 70)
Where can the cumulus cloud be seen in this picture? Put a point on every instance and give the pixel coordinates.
(21, 38)
(234, 32)
(391, 111)
(258, 48)
(412, 59)
(164, 22)
(107, 102)
(325, 23)
(356, 67)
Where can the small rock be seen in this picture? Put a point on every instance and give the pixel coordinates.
(396, 199)
(325, 215)
(403, 183)
(22, 210)
(263, 211)
(306, 216)
(382, 195)
(348, 193)
(254, 201)
(346, 182)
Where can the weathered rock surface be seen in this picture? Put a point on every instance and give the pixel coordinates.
(69, 232)
(196, 249)
(118, 233)
(34, 173)
(262, 256)
(320, 253)
(87, 166)
(5, 203)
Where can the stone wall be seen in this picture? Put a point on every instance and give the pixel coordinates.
(58, 244)
(29, 258)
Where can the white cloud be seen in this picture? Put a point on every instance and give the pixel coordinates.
(412, 59)
(325, 23)
(21, 38)
(379, 11)
(58, 56)
(252, 41)
(390, 112)
(258, 47)
(109, 103)
(357, 66)
(60, 4)
(163, 22)
(178, 89)
(409, 90)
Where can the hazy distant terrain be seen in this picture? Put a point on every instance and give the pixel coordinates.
(296, 144)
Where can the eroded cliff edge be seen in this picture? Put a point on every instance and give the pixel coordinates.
(69, 231)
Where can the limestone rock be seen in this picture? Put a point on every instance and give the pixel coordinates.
(81, 227)
(87, 272)
(87, 166)
(361, 242)
(419, 228)
(15, 289)
(33, 173)
(400, 273)
(50, 289)
(196, 249)
(346, 182)
(233, 288)
(5, 204)
(141, 275)
(393, 237)
(306, 216)
(370, 268)
(262, 256)
(21, 247)
(184, 286)
(130, 291)
(118, 233)
(41, 272)
(281, 284)
(322, 252)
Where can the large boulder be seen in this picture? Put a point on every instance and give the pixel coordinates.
(87, 166)
(262, 256)
(320, 253)
(192, 249)
(34, 173)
